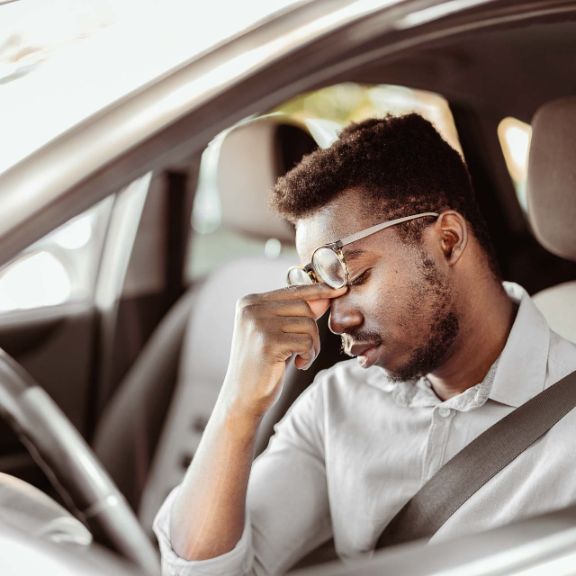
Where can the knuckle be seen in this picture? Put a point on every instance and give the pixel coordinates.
(267, 347)
(308, 340)
(311, 328)
(311, 323)
(247, 300)
(245, 312)
(249, 310)
(277, 348)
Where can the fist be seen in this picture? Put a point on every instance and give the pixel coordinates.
(269, 329)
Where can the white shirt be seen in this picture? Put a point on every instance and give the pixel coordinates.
(355, 447)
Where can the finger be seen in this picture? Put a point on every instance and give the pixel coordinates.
(302, 363)
(308, 292)
(300, 325)
(318, 307)
(302, 347)
(312, 308)
(286, 308)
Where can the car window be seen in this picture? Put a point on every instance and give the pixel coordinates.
(514, 136)
(84, 260)
(75, 54)
(59, 268)
(352, 102)
(212, 244)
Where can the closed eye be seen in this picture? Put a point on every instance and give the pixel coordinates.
(360, 279)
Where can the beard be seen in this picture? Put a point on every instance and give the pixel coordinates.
(441, 329)
(433, 353)
(443, 326)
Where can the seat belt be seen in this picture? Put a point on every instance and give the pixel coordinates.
(464, 474)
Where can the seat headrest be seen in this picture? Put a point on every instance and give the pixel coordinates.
(247, 168)
(551, 185)
(251, 157)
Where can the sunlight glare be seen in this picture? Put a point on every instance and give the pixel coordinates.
(37, 280)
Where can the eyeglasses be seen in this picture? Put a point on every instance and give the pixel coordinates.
(328, 265)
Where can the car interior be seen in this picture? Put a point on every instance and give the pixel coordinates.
(136, 366)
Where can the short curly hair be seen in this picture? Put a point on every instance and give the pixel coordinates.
(403, 166)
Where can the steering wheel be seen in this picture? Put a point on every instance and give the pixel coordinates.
(59, 449)
(25, 555)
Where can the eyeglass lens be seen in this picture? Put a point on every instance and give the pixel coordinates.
(328, 267)
(299, 277)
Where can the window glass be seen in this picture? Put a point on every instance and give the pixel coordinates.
(349, 102)
(61, 61)
(514, 136)
(322, 114)
(59, 268)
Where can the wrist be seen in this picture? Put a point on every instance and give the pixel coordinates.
(245, 399)
(237, 415)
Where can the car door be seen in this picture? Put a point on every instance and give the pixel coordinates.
(59, 309)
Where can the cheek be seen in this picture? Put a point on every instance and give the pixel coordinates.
(394, 282)
(380, 300)
(396, 301)
(397, 289)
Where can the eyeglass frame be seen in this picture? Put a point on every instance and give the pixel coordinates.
(337, 246)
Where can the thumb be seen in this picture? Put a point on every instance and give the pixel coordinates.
(319, 307)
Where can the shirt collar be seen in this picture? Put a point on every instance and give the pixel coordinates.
(521, 370)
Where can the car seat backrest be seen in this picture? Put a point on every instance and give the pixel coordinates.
(551, 190)
(203, 364)
(249, 160)
(152, 426)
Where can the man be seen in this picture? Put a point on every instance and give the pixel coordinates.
(393, 245)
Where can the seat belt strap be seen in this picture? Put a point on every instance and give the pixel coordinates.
(478, 462)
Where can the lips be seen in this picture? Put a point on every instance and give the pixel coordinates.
(366, 352)
(361, 348)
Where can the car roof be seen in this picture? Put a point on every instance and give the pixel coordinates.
(50, 84)
(310, 45)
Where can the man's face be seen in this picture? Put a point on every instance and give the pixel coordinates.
(399, 312)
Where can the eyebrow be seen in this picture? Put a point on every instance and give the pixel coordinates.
(353, 254)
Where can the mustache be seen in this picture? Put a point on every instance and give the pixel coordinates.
(348, 339)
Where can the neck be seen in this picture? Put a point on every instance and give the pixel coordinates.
(484, 329)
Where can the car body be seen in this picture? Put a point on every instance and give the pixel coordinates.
(149, 127)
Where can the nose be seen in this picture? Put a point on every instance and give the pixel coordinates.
(344, 315)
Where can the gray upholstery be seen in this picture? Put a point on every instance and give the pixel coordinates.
(249, 161)
(202, 368)
(248, 166)
(128, 432)
(551, 185)
(558, 304)
(551, 189)
(152, 426)
(26, 508)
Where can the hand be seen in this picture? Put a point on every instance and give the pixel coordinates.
(269, 329)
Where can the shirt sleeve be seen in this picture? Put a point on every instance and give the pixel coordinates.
(288, 494)
(233, 563)
(287, 502)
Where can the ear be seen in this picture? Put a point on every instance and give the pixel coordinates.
(452, 230)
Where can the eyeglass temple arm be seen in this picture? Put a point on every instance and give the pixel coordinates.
(382, 226)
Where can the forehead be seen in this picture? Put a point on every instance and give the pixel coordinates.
(342, 216)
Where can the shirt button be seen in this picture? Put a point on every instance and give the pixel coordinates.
(444, 412)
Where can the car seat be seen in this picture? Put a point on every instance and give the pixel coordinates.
(551, 190)
(151, 428)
